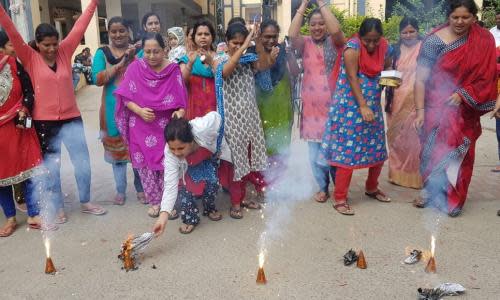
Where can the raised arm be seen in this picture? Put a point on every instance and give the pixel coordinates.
(23, 50)
(332, 24)
(71, 42)
(234, 60)
(294, 30)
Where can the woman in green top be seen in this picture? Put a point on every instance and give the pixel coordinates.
(110, 63)
(274, 96)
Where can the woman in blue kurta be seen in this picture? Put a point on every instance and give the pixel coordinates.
(108, 67)
(355, 136)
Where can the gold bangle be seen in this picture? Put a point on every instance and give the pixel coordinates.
(419, 108)
(324, 4)
(300, 13)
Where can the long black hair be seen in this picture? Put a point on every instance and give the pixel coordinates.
(370, 24)
(234, 29)
(179, 129)
(3, 39)
(146, 17)
(454, 4)
(406, 21)
(211, 28)
(45, 30)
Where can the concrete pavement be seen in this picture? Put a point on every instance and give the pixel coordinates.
(305, 244)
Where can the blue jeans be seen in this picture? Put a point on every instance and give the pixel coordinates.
(120, 174)
(498, 137)
(7, 200)
(321, 171)
(51, 135)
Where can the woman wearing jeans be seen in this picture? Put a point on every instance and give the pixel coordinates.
(321, 60)
(56, 115)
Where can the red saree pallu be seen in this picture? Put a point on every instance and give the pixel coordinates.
(466, 67)
(19, 148)
(201, 96)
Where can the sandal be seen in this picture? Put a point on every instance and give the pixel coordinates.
(378, 195)
(44, 227)
(251, 205)
(214, 216)
(188, 229)
(119, 199)
(419, 202)
(173, 215)
(93, 209)
(61, 219)
(321, 197)
(154, 211)
(343, 208)
(235, 213)
(141, 197)
(8, 229)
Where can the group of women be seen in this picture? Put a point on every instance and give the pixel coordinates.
(446, 86)
(189, 118)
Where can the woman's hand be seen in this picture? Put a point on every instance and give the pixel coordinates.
(418, 123)
(496, 111)
(161, 223)
(249, 39)
(21, 115)
(209, 60)
(275, 52)
(192, 57)
(179, 113)
(455, 99)
(147, 114)
(304, 4)
(367, 113)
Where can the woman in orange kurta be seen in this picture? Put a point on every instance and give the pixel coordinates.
(404, 152)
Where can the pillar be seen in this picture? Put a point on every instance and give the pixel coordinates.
(113, 8)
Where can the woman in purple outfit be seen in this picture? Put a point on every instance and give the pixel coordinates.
(151, 92)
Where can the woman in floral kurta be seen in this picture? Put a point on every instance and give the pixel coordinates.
(355, 136)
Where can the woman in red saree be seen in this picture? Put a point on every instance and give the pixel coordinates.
(455, 85)
(21, 154)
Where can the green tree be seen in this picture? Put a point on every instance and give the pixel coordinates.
(488, 13)
(427, 15)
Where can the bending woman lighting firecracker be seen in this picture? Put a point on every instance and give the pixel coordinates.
(56, 116)
(455, 85)
(191, 160)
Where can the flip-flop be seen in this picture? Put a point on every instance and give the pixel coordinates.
(174, 215)
(46, 227)
(154, 212)
(119, 199)
(61, 219)
(320, 199)
(95, 210)
(9, 230)
(141, 197)
(348, 212)
(211, 217)
(378, 195)
(188, 231)
(235, 213)
(250, 205)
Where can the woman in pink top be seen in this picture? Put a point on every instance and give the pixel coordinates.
(56, 115)
(321, 60)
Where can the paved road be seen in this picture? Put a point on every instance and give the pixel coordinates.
(305, 242)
